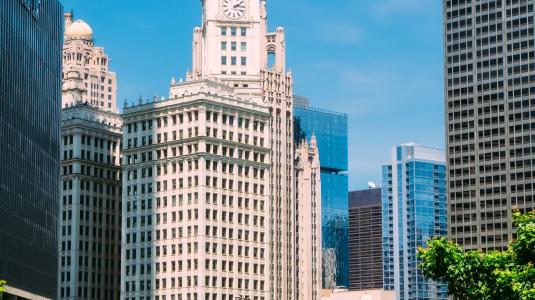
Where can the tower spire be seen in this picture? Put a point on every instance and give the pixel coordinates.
(68, 19)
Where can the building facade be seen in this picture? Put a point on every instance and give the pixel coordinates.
(212, 169)
(30, 106)
(414, 211)
(376, 294)
(90, 201)
(365, 240)
(489, 91)
(90, 208)
(196, 193)
(330, 130)
(308, 218)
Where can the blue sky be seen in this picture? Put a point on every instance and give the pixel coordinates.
(380, 61)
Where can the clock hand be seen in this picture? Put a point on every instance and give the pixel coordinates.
(240, 3)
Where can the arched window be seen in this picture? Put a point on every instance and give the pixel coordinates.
(272, 59)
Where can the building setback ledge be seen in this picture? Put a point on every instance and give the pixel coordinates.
(14, 293)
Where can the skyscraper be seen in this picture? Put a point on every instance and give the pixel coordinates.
(330, 130)
(490, 47)
(414, 211)
(196, 196)
(30, 105)
(90, 207)
(234, 46)
(365, 240)
(211, 173)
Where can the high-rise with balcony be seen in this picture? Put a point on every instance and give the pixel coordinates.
(489, 86)
(90, 197)
(211, 208)
(30, 107)
(414, 211)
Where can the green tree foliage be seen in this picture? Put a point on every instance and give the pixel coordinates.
(505, 275)
(2, 288)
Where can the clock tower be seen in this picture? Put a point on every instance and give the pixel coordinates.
(228, 130)
(233, 45)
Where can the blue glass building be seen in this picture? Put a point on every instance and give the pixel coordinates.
(330, 129)
(31, 43)
(414, 211)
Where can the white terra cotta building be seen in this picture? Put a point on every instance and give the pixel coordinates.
(210, 206)
(90, 201)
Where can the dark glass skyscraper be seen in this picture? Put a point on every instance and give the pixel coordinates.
(330, 129)
(30, 105)
(365, 240)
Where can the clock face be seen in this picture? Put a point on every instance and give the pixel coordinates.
(234, 9)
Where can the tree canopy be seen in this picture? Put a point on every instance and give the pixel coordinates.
(495, 275)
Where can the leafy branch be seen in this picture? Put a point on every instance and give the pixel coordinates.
(495, 275)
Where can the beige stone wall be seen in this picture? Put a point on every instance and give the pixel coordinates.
(359, 295)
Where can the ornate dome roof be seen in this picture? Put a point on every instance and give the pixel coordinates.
(79, 29)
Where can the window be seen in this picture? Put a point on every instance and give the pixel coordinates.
(244, 61)
(243, 46)
(223, 45)
(233, 31)
(233, 46)
(223, 30)
(243, 31)
(224, 60)
(233, 60)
